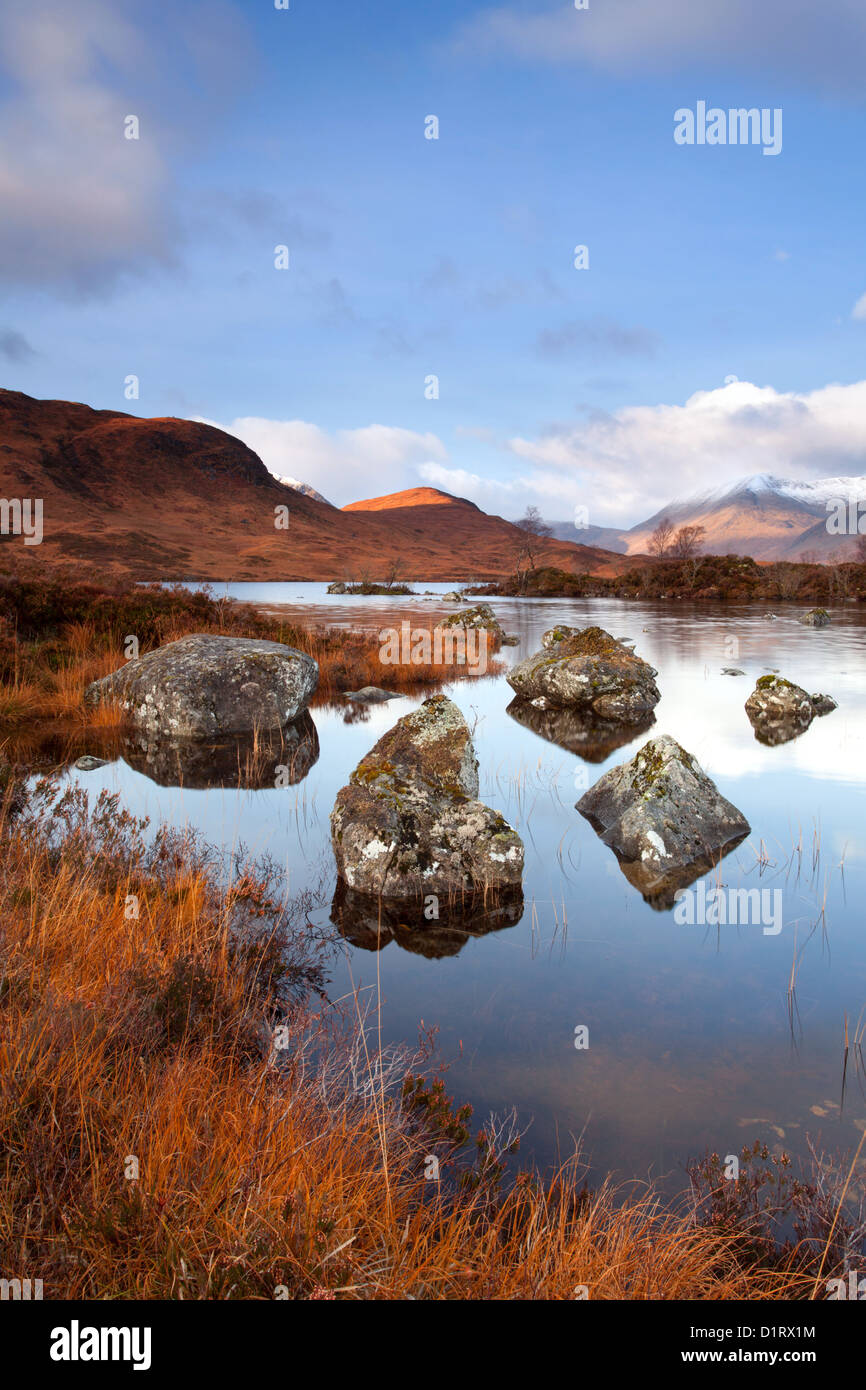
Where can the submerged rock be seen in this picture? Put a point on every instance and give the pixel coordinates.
(579, 731)
(732, 671)
(409, 822)
(664, 818)
(816, 617)
(780, 711)
(587, 670)
(203, 686)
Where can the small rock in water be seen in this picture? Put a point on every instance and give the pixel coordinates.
(87, 763)
(823, 704)
(780, 711)
(370, 695)
(732, 671)
(816, 617)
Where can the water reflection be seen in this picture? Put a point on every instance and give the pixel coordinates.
(578, 731)
(371, 923)
(280, 757)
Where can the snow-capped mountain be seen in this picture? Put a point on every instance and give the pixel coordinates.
(304, 488)
(761, 515)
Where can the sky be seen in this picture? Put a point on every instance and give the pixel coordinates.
(431, 326)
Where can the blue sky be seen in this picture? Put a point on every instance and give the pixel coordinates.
(604, 388)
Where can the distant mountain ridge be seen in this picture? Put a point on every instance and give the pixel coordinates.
(767, 517)
(169, 499)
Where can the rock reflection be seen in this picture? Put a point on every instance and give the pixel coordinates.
(371, 923)
(588, 735)
(253, 762)
(772, 732)
(660, 890)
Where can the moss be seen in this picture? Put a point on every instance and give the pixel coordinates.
(773, 683)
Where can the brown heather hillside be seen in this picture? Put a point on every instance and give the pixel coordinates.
(174, 499)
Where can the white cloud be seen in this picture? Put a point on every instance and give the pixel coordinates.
(345, 466)
(81, 204)
(824, 45)
(627, 464)
(859, 310)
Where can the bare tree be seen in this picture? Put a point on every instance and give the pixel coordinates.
(660, 540)
(535, 529)
(392, 573)
(688, 541)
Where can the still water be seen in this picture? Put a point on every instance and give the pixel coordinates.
(699, 1037)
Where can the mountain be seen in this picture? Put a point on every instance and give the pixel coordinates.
(178, 499)
(761, 515)
(304, 488)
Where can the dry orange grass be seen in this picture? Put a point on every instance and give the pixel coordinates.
(262, 1171)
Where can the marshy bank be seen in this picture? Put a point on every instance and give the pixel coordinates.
(184, 1115)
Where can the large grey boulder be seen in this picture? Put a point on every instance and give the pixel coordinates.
(664, 818)
(203, 686)
(587, 670)
(780, 711)
(409, 822)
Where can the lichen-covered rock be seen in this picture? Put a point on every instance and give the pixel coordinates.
(780, 711)
(816, 617)
(453, 597)
(823, 704)
(481, 617)
(338, 587)
(409, 822)
(587, 670)
(203, 686)
(663, 817)
(554, 635)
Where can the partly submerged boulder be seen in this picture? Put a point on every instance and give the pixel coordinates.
(587, 670)
(338, 587)
(816, 617)
(203, 686)
(780, 711)
(409, 822)
(664, 818)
